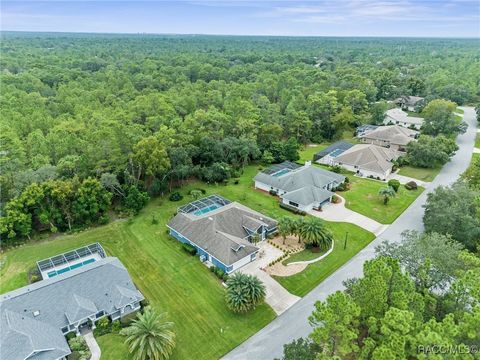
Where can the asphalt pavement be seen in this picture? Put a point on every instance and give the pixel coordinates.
(267, 344)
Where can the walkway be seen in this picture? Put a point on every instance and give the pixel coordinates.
(268, 343)
(339, 213)
(92, 345)
(277, 296)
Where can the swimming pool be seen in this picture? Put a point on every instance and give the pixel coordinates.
(281, 172)
(336, 152)
(68, 268)
(207, 209)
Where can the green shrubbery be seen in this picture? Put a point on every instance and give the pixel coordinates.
(80, 350)
(220, 273)
(175, 196)
(411, 185)
(104, 326)
(189, 249)
(292, 209)
(394, 183)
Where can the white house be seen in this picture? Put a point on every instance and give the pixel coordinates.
(399, 117)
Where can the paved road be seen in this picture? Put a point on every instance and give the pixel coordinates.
(268, 342)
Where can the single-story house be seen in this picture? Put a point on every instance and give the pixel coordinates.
(399, 117)
(34, 319)
(392, 136)
(410, 103)
(307, 187)
(364, 129)
(368, 160)
(223, 232)
(327, 155)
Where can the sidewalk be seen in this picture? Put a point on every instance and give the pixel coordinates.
(92, 345)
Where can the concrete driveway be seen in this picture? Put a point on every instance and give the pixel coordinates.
(276, 295)
(339, 213)
(92, 345)
(406, 179)
(268, 343)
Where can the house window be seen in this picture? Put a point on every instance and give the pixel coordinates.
(65, 329)
(99, 314)
(292, 203)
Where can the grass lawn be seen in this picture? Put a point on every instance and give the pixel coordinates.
(304, 255)
(477, 141)
(171, 280)
(422, 174)
(302, 283)
(113, 347)
(307, 153)
(459, 111)
(363, 198)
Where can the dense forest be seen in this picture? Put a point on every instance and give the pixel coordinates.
(94, 123)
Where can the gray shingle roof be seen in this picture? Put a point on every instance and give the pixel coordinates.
(410, 100)
(399, 115)
(393, 134)
(305, 176)
(222, 230)
(49, 305)
(369, 157)
(308, 195)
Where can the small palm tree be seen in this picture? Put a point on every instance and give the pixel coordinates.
(285, 227)
(244, 292)
(297, 227)
(386, 193)
(150, 336)
(315, 233)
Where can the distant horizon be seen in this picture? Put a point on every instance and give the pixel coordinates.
(240, 35)
(281, 18)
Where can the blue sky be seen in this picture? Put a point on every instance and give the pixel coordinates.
(430, 18)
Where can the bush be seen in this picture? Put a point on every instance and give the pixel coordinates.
(292, 209)
(116, 326)
(335, 199)
(347, 180)
(175, 196)
(219, 273)
(411, 185)
(80, 350)
(189, 249)
(154, 220)
(236, 181)
(272, 192)
(395, 184)
(103, 327)
(336, 169)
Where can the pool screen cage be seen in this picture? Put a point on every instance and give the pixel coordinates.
(70, 256)
(278, 167)
(200, 204)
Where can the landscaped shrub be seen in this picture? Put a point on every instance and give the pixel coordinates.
(411, 185)
(394, 183)
(103, 326)
(293, 209)
(189, 249)
(154, 220)
(335, 199)
(336, 169)
(79, 349)
(219, 273)
(347, 180)
(236, 181)
(342, 187)
(272, 192)
(116, 326)
(175, 196)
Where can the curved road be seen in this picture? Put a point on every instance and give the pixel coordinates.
(268, 342)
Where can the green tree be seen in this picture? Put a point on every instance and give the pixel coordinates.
(244, 292)
(285, 227)
(454, 210)
(430, 152)
(439, 118)
(315, 233)
(150, 157)
(386, 193)
(150, 336)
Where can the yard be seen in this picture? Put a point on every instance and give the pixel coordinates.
(302, 283)
(477, 141)
(363, 198)
(422, 174)
(174, 282)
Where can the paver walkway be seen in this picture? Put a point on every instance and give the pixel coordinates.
(339, 213)
(92, 345)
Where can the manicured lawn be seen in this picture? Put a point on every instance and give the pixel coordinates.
(477, 141)
(422, 174)
(302, 283)
(363, 198)
(306, 154)
(113, 347)
(171, 280)
(304, 255)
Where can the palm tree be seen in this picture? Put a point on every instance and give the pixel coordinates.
(297, 227)
(386, 193)
(150, 336)
(244, 292)
(285, 227)
(315, 233)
